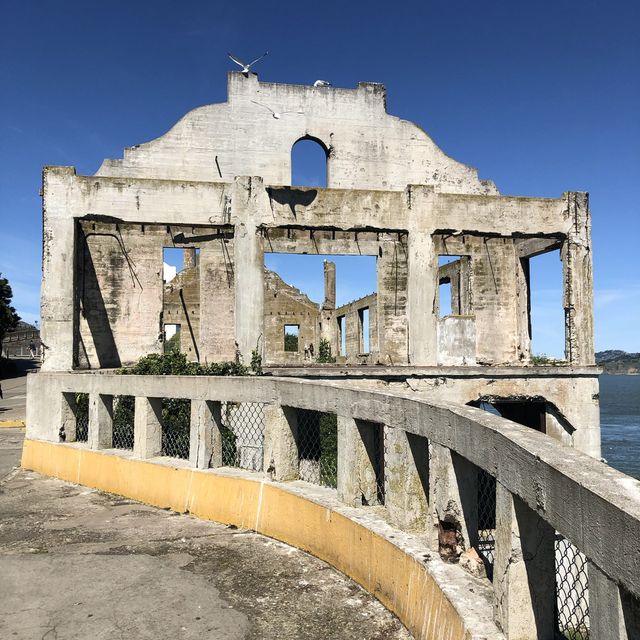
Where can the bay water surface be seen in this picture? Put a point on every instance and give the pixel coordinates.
(620, 422)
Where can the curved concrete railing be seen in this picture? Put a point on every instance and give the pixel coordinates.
(542, 487)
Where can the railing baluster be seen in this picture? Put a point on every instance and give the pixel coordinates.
(524, 570)
(100, 421)
(407, 481)
(280, 443)
(206, 440)
(147, 430)
(357, 484)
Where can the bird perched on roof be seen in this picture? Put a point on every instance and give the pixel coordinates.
(321, 83)
(246, 68)
(275, 114)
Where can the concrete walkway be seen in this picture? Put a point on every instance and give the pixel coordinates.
(77, 563)
(14, 390)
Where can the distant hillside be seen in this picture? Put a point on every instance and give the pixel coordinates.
(621, 362)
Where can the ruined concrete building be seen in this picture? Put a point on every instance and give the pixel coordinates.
(217, 185)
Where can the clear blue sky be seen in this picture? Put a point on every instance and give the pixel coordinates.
(541, 97)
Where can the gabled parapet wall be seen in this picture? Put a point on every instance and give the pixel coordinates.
(253, 133)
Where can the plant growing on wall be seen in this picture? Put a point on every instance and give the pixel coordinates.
(324, 352)
(176, 412)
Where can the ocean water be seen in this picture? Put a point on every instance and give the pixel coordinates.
(620, 422)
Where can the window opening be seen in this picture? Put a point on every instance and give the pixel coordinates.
(546, 311)
(308, 164)
(291, 335)
(342, 335)
(363, 321)
(171, 338)
(453, 286)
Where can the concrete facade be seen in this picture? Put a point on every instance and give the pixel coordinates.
(217, 185)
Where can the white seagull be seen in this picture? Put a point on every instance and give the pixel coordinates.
(321, 83)
(246, 68)
(275, 114)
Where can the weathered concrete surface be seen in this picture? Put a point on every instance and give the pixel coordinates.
(77, 563)
(10, 450)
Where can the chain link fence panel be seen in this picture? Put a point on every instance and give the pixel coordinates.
(123, 419)
(487, 519)
(572, 591)
(380, 460)
(81, 413)
(243, 435)
(318, 447)
(176, 428)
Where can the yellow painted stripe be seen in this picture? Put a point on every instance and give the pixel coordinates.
(399, 581)
(11, 424)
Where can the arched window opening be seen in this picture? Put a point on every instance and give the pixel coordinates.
(309, 163)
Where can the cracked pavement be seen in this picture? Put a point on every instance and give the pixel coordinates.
(78, 563)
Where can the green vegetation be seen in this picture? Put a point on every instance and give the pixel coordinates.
(290, 342)
(324, 352)
(328, 450)
(173, 343)
(176, 412)
(8, 317)
(544, 359)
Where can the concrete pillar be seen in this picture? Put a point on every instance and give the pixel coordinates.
(357, 482)
(524, 570)
(205, 439)
(392, 282)
(100, 435)
(329, 303)
(453, 502)
(248, 265)
(613, 614)
(422, 281)
(217, 301)
(67, 430)
(280, 443)
(57, 309)
(147, 429)
(578, 282)
(407, 478)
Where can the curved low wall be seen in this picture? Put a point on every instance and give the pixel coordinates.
(433, 600)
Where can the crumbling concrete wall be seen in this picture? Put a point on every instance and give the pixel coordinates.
(355, 343)
(286, 305)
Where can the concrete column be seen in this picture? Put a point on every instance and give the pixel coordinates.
(407, 478)
(248, 265)
(217, 301)
(280, 443)
(147, 429)
(613, 614)
(392, 281)
(100, 434)
(329, 285)
(57, 299)
(453, 501)
(423, 277)
(357, 484)
(67, 417)
(524, 570)
(578, 282)
(205, 440)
